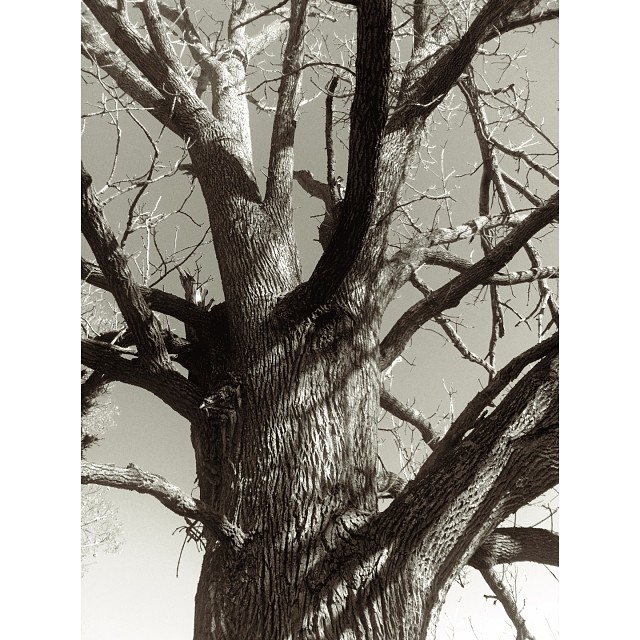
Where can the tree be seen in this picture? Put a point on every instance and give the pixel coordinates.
(282, 382)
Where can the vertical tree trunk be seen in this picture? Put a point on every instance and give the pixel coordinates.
(304, 445)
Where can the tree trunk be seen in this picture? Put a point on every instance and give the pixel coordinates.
(297, 461)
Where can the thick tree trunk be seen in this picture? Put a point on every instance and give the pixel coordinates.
(297, 462)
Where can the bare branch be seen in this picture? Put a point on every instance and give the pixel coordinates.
(160, 301)
(457, 342)
(258, 15)
(425, 249)
(124, 35)
(501, 448)
(96, 49)
(160, 39)
(186, 111)
(508, 601)
(472, 412)
(521, 22)
(328, 140)
(520, 188)
(449, 295)
(429, 90)
(134, 479)
(391, 404)
(443, 258)
(314, 187)
(137, 314)
(182, 19)
(268, 34)
(280, 172)
(527, 159)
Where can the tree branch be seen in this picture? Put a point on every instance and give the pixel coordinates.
(368, 117)
(313, 187)
(96, 49)
(520, 22)
(160, 301)
(518, 544)
(187, 112)
(125, 36)
(449, 295)
(471, 489)
(258, 14)
(123, 365)
(508, 601)
(426, 249)
(429, 90)
(182, 19)
(268, 34)
(280, 172)
(391, 404)
(472, 412)
(139, 318)
(160, 40)
(134, 479)
(527, 159)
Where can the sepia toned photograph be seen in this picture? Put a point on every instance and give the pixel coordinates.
(320, 320)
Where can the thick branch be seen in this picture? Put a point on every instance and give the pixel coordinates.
(443, 258)
(429, 90)
(449, 509)
(187, 111)
(280, 174)
(160, 39)
(268, 34)
(426, 249)
(96, 49)
(328, 141)
(368, 118)
(179, 348)
(314, 187)
(518, 544)
(125, 36)
(472, 412)
(520, 22)
(182, 19)
(139, 318)
(121, 364)
(535, 468)
(134, 479)
(449, 295)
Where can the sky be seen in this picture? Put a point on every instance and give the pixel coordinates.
(595, 502)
